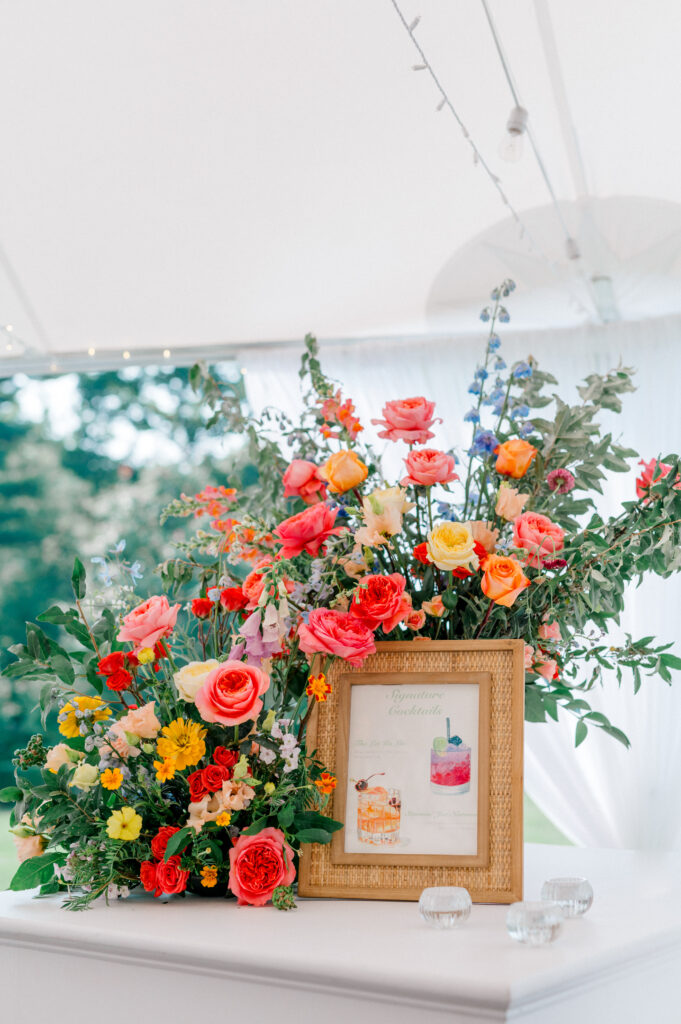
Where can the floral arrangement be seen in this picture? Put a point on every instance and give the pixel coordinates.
(183, 717)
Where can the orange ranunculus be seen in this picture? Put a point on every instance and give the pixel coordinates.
(514, 457)
(343, 471)
(503, 579)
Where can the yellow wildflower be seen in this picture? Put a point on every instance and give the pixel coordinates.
(223, 819)
(269, 788)
(165, 769)
(111, 778)
(318, 687)
(69, 724)
(209, 876)
(182, 742)
(125, 824)
(145, 655)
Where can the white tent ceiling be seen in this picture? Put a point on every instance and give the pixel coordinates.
(181, 175)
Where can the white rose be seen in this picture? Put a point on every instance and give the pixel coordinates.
(190, 678)
(85, 776)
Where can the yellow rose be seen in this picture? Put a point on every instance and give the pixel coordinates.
(191, 677)
(85, 776)
(343, 471)
(452, 546)
(125, 824)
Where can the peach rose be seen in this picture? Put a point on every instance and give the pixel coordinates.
(61, 754)
(484, 535)
(117, 742)
(328, 631)
(382, 511)
(307, 531)
(231, 693)
(546, 667)
(428, 466)
(435, 607)
(514, 457)
(416, 620)
(27, 842)
(537, 535)
(408, 419)
(503, 579)
(302, 480)
(343, 471)
(529, 657)
(258, 864)
(510, 503)
(145, 625)
(142, 722)
(549, 630)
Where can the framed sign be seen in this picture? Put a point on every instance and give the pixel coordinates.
(425, 741)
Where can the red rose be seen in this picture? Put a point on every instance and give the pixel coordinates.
(381, 601)
(148, 875)
(120, 680)
(224, 757)
(233, 599)
(160, 651)
(160, 840)
(421, 553)
(170, 878)
(197, 788)
(131, 660)
(213, 776)
(202, 607)
(112, 663)
(258, 864)
(481, 552)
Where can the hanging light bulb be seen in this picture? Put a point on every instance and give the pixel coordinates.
(511, 147)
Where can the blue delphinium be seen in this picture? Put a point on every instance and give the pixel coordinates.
(494, 343)
(526, 429)
(481, 373)
(485, 315)
(520, 412)
(446, 511)
(504, 316)
(499, 364)
(472, 416)
(484, 443)
(474, 389)
(522, 371)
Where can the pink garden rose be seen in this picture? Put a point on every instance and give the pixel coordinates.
(258, 864)
(537, 535)
(549, 631)
(145, 625)
(231, 693)
(546, 667)
(302, 480)
(328, 631)
(307, 531)
(428, 466)
(408, 419)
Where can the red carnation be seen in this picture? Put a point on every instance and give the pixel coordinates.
(233, 599)
(160, 840)
(421, 553)
(197, 788)
(224, 757)
(213, 776)
(202, 607)
(111, 663)
(120, 680)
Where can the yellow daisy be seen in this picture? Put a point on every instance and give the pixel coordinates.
(182, 742)
(69, 724)
(209, 876)
(165, 769)
(124, 824)
(111, 778)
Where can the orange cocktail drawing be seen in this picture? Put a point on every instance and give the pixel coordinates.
(378, 815)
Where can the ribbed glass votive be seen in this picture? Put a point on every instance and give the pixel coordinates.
(534, 923)
(574, 896)
(445, 906)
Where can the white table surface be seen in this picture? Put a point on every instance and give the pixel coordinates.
(359, 961)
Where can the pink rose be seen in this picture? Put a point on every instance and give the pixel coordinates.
(258, 864)
(408, 419)
(145, 625)
(549, 631)
(529, 657)
(332, 632)
(117, 742)
(301, 480)
(142, 722)
(537, 535)
(546, 667)
(307, 531)
(428, 466)
(231, 693)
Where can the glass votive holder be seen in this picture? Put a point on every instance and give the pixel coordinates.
(574, 896)
(445, 906)
(534, 923)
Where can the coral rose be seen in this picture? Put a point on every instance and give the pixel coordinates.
(416, 619)
(307, 531)
(381, 601)
(510, 503)
(435, 607)
(258, 864)
(191, 677)
(407, 419)
(428, 466)
(503, 579)
(514, 457)
(231, 693)
(649, 477)
(332, 632)
(145, 625)
(537, 535)
(302, 480)
(382, 511)
(343, 471)
(452, 546)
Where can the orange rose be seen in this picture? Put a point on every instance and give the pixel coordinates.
(514, 457)
(503, 579)
(343, 471)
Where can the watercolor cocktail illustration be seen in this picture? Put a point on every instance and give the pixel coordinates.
(450, 764)
(378, 813)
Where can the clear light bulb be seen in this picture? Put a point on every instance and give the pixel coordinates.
(511, 147)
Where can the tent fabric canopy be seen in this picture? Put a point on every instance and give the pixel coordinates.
(180, 176)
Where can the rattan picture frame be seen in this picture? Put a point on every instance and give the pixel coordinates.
(493, 874)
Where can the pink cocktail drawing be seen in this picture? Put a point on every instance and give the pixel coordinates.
(450, 764)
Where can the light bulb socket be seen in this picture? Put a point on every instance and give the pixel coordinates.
(517, 121)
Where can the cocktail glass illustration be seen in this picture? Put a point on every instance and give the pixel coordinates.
(450, 764)
(378, 815)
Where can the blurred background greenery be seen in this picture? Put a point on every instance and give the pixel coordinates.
(86, 461)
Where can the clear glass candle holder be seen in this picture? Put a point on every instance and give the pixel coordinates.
(534, 923)
(445, 906)
(574, 896)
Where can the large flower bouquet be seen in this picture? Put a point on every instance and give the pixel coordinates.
(183, 717)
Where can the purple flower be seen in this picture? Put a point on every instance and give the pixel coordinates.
(484, 443)
(258, 646)
(554, 563)
(560, 480)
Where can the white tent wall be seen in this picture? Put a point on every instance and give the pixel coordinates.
(599, 794)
